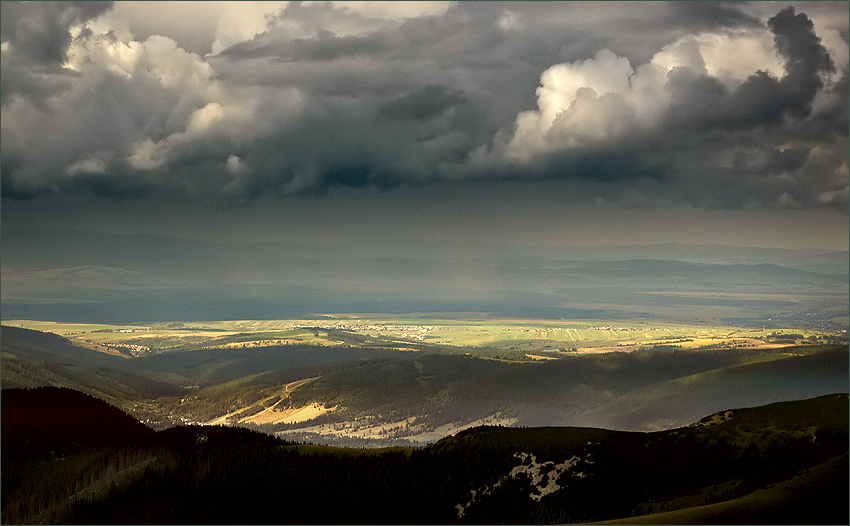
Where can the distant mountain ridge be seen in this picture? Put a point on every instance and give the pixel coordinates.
(85, 276)
(95, 248)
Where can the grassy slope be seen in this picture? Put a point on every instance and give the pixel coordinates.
(679, 401)
(786, 502)
(32, 358)
(631, 391)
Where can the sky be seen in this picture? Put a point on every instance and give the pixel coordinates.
(244, 110)
(356, 124)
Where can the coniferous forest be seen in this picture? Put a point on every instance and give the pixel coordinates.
(780, 463)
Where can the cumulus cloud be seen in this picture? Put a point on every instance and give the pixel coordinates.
(686, 91)
(35, 40)
(125, 99)
(40, 32)
(87, 166)
(702, 102)
(603, 99)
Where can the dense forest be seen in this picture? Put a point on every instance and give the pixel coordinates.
(224, 475)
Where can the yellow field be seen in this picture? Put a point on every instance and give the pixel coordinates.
(412, 430)
(530, 336)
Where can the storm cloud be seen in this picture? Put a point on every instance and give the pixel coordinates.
(422, 104)
(702, 101)
(40, 32)
(710, 104)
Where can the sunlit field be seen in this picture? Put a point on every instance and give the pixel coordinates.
(585, 336)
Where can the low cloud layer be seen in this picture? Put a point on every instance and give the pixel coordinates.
(710, 104)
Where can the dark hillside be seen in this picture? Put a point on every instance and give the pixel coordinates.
(391, 381)
(638, 391)
(57, 442)
(44, 419)
(788, 502)
(489, 475)
(462, 380)
(429, 388)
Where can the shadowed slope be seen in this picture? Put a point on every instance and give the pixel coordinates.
(44, 419)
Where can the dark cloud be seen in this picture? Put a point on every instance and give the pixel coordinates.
(356, 175)
(325, 99)
(657, 22)
(422, 104)
(702, 101)
(324, 46)
(110, 186)
(38, 35)
(804, 55)
(39, 32)
(19, 187)
(36, 86)
(833, 120)
(699, 16)
(769, 160)
(457, 36)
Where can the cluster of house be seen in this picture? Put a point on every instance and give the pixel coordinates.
(622, 329)
(367, 327)
(135, 350)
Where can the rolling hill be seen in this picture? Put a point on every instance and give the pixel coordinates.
(367, 390)
(640, 391)
(778, 463)
(32, 358)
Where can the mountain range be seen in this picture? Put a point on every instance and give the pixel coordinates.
(68, 275)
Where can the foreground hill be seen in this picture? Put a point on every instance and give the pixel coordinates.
(62, 420)
(736, 466)
(788, 502)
